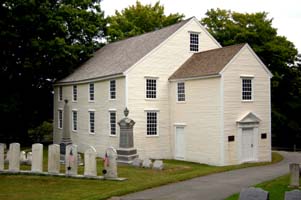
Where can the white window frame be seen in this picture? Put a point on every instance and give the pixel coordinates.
(60, 93)
(90, 94)
(157, 122)
(110, 122)
(74, 122)
(184, 92)
(251, 78)
(193, 46)
(112, 90)
(146, 88)
(60, 118)
(74, 93)
(90, 122)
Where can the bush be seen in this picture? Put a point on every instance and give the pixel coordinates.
(42, 133)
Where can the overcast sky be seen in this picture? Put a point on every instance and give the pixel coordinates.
(286, 13)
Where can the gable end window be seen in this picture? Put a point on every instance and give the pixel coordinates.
(60, 119)
(74, 93)
(74, 120)
(247, 89)
(92, 122)
(181, 91)
(112, 123)
(91, 92)
(151, 88)
(194, 42)
(60, 93)
(151, 124)
(112, 89)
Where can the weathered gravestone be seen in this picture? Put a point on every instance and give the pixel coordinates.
(71, 160)
(293, 195)
(2, 148)
(158, 164)
(137, 162)
(147, 163)
(110, 164)
(66, 138)
(23, 159)
(294, 178)
(253, 194)
(54, 159)
(14, 157)
(29, 158)
(90, 162)
(37, 158)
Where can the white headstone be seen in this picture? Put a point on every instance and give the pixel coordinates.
(29, 158)
(137, 162)
(37, 158)
(7, 155)
(90, 162)
(14, 157)
(23, 159)
(253, 194)
(147, 163)
(158, 164)
(111, 163)
(54, 159)
(292, 195)
(2, 147)
(71, 160)
(294, 171)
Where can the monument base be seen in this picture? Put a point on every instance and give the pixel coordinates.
(126, 155)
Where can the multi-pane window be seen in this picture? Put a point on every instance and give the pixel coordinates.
(60, 118)
(60, 93)
(112, 122)
(194, 42)
(74, 120)
(246, 89)
(181, 91)
(112, 89)
(92, 121)
(91, 91)
(74, 93)
(151, 88)
(152, 126)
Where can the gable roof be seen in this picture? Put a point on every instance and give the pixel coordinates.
(207, 63)
(117, 57)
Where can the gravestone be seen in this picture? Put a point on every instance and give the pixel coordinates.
(71, 160)
(158, 164)
(110, 164)
(137, 162)
(14, 157)
(294, 175)
(7, 156)
(29, 158)
(147, 163)
(90, 162)
(23, 159)
(253, 194)
(293, 195)
(54, 159)
(2, 148)
(37, 158)
(66, 138)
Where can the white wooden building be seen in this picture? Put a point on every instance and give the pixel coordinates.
(191, 99)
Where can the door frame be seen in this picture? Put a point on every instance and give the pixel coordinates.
(179, 125)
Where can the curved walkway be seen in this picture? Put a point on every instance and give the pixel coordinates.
(218, 186)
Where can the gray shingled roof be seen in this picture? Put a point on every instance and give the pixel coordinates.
(206, 63)
(117, 57)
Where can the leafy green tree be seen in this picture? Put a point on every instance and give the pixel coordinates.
(277, 53)
(41, 41)
(139, 19)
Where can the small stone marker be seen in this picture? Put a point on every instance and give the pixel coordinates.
(54, 159)
(294, 171)
(23, 159)
(2, 148)
(14, 157)
(137, 162)
(110, 164)
(90, 162)
(293, 195)
(147, 163)
(158, 164)
(253, 194)
(37, 158)
(29, 158)
(71, 160)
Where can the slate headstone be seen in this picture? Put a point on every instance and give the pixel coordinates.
(90, 162)
(137, 162)
(37, 158)
(147, 163)
(71, 160)
(293, 195)
(14, 157)
(2, 156)
(158, 164)
(294, 172)
(253, 194)
(54, 159)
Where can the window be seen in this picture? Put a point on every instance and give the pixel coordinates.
(60, 93)
(247, 89)
(74, 93)
(151, 91)
(194, 42)
(152, 128)
(112, 89)
(181, 91)
(92, 122)
(112, 122)
(60, 118)
(91, 92)
(74, 120)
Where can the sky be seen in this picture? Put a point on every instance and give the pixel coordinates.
(286, 14)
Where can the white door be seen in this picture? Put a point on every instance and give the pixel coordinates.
(247, 144)
(179, 143)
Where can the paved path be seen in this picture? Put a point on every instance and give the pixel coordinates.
(217, 186)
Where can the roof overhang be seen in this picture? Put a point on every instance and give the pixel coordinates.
(195, 78)
(249, 118)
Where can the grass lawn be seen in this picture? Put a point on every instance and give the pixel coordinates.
(46, 187)
(276, 188)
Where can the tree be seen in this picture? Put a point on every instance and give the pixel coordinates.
(277, 53)
(139, 19)
(41, 41)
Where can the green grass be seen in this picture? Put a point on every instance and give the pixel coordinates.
(276, 188)
(47, 187)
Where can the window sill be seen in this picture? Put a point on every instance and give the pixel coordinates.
(247, 101)
(60, 128)
(91, 133)
(74, 101)
(74, 131)
(90, 101)
(114, 136)
(152, 136)
(151, 99)
(181, 102)
(112, 99)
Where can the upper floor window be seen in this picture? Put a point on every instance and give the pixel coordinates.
(151, 88)
(91, 92)
(74, 93)
(60, 118)
(194, 42)
(60, 93)
(181, 91)
(74, 120)
(151, 123)
(247, 89)
(91, 121)
(112, 89)
(113, 122)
